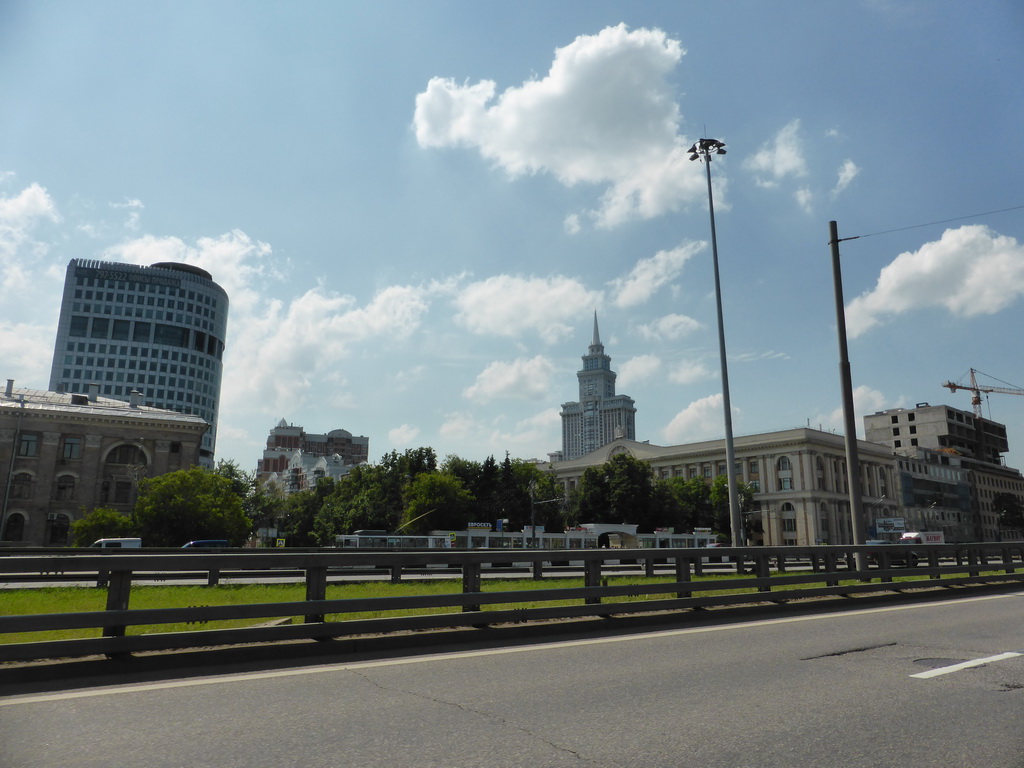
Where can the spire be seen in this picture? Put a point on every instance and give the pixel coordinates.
(597, 336)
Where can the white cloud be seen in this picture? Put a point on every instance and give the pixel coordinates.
(134, 208)
(638, 369)
(403, 436)
(700, 420)
(604, 114)
(543, 428)
(768, 354)
(781, 157)
(20, 215)
(805, 199)
(969, 271)
(572, 224)
(521, 379)
(512, 306)
(669, 328)
(235, 261)
(865, 400)
(309, 338)
(648, 275)
(847, 173)
(689, 371)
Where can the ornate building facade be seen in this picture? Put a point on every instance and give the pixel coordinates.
(64, 454)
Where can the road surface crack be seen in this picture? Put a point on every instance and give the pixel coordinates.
(481, 713)
(848, 651)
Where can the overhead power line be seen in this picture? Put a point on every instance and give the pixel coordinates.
(933, 223)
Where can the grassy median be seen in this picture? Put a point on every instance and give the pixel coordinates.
(47, 600)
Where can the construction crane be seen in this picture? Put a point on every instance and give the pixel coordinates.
(978, 389)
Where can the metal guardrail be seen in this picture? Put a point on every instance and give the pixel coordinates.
(799, 573)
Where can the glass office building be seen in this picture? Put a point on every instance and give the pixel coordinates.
(158, 330)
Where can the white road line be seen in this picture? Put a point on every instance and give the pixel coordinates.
(966, 665)
(454, 655)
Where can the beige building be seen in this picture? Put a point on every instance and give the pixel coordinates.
(799, 477)
(64, 454)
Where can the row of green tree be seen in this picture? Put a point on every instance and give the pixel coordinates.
(410, 493)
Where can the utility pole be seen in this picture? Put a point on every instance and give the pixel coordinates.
(849, 417)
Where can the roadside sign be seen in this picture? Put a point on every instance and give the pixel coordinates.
(890, 525)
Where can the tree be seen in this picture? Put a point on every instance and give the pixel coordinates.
(720, 505)
(100, 523)
(189, 504)
(261, 504)
(692, 502)
(622, 491)
(436, 501)
(298, 519)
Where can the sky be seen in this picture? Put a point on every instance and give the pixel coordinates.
(416, 208)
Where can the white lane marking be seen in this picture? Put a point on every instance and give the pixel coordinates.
(342, 667)
(966, 665)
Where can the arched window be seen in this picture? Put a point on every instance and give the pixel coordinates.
(127, 454)
(57, 529)
(64, 488)
(785, 471)
(21, 488)
(14, 528)
(125, 466)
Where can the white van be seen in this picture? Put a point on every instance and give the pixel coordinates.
(117, 543)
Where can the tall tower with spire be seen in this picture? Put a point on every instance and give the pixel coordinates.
(600, 416)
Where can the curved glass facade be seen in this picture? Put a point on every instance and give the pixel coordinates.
(158, 330)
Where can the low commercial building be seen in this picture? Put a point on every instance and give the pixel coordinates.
(65, 454)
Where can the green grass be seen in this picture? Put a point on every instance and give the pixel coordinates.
(79, 599)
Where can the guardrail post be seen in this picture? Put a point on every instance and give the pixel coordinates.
(538, 570)
(316, 589)
(213, 577)
(683, 572)
(649, 567)
(396, 573)
(119, 588)
(763, 570)
(592, 578)
(1008, 560)
(470, 584)
(830, 569)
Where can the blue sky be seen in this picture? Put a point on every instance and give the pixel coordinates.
(416, 207)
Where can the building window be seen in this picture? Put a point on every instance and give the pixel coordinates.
(58, 526)
(29, 445)
(21, 486)
(72, 448)
(789, 525)
(14, 528)
(64, 488)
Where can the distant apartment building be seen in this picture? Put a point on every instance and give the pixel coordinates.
(801, 493)
(976, 442)
(64, 454)
(158, 330)
(295, 460)
(599, 416)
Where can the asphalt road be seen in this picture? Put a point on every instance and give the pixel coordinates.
(917, 684)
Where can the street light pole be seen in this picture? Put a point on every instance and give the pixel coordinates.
(702, 150)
